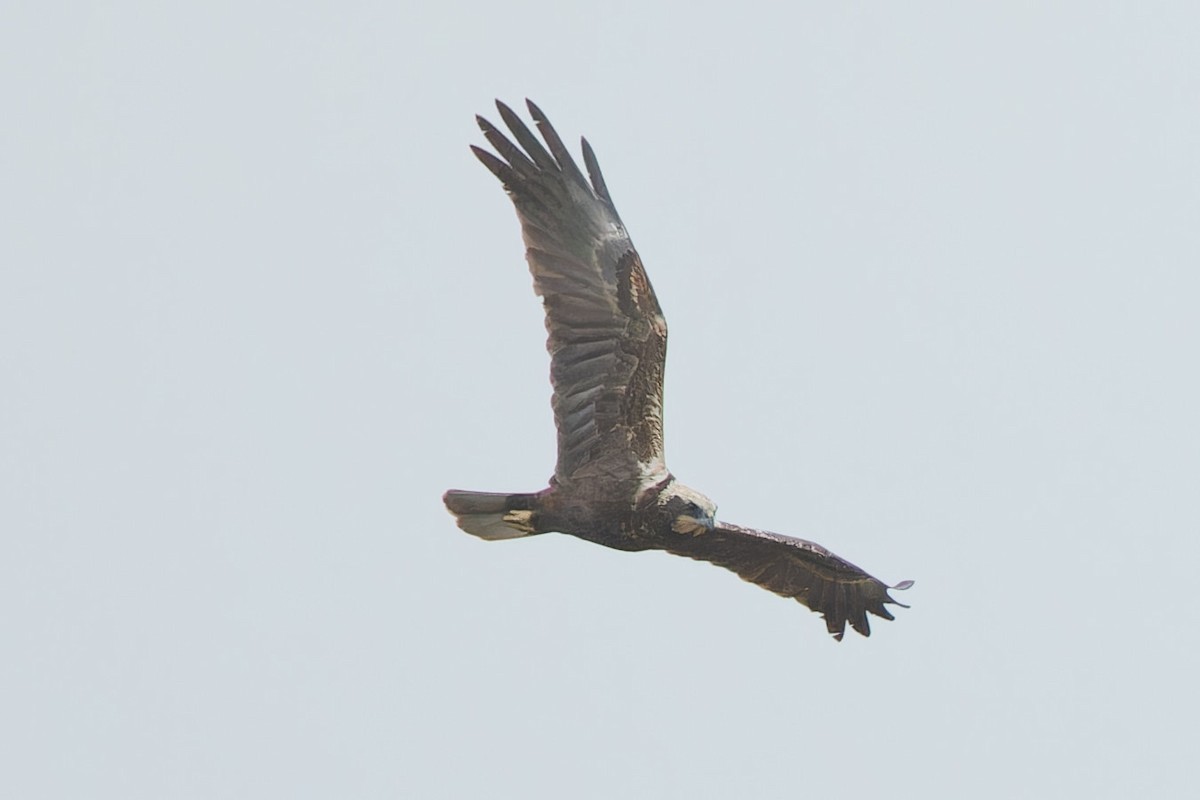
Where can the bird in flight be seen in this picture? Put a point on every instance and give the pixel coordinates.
(608, 348)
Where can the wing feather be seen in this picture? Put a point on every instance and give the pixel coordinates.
(561, 154)
(497, 167)
(593, 168)
(525, 137)
(507, 150)
(804, 571)
(607, 336)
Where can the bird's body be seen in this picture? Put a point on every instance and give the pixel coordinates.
(608, 343)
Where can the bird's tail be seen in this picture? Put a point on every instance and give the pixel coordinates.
(492, 516)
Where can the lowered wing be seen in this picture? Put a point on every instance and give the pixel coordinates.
(804, 571)
(607, 336)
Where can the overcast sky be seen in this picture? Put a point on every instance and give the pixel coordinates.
(931, 276)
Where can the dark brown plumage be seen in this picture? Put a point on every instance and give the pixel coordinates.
(608, 347)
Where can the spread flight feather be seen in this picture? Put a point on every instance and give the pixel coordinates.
(607, 340)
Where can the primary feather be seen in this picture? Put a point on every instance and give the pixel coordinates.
(607, 340)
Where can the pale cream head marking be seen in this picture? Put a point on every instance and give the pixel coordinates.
(687, 523)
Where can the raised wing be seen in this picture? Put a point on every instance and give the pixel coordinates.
(833, 587)
(607, 336)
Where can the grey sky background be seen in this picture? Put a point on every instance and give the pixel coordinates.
(931, 276)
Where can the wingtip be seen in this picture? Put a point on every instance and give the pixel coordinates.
(537, 113)
(511, 118)
(593, 168)
(899, 587)
(495, 166)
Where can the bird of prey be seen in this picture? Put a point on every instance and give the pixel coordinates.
(608, 347)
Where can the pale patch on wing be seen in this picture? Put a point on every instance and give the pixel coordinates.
(653, 472)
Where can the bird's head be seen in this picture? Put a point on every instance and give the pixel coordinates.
(689, 511)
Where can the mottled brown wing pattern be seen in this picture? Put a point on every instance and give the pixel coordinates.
(607, 336)
(804, 571)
